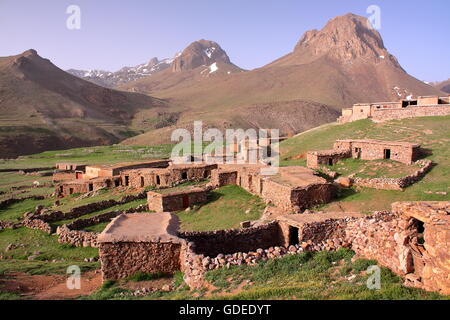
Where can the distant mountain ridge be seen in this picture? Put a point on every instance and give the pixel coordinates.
(126, 74)
(44, 108)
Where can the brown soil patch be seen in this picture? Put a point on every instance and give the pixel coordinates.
(49, 287)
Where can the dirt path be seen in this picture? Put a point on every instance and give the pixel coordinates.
(49, 287)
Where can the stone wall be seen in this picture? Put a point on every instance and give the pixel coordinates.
(315, 159)
(6, 203)
(212, 243)
(220, 178)
(169, 202)
(395, 183)
(312, 195)
(410, 112)
(121, 260)
(385, 237)
(431, 258)
(77, 238)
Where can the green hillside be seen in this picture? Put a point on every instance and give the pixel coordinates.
(433, 133)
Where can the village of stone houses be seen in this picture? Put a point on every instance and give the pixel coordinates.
(315, 170)
(369, 190)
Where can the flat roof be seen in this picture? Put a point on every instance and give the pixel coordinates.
(391, 143)
(178, 190)
(142, 227)
(124, 164)
(296, 177)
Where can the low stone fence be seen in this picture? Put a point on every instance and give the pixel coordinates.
(9, 225)
(76, 237)
(8, 202)
(381, 115)
(38, 224)
(53, 216)
(395, 183)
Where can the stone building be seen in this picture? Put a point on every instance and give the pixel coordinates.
(408, 108)
(67, 188)
(167, 177)
(169, 201)
(367, 149)
(140, 242)
(110, 170)
(292, 189)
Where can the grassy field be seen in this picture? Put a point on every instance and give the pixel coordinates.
(225, 209)
(433, 133)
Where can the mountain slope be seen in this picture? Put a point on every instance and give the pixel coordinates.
(342, 64)
(43, 107)
(443, 86)
(113, 79)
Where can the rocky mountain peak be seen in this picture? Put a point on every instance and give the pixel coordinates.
(199, 53)
(345, 38)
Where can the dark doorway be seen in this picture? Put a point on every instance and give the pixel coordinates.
(330, 161)
(91, 187)
(61, 189)
(293, 236)
(185, 201)
(142, 182)
(127, 181)
(357, 153)
(158, 180)
(387, 153)
(116, 183)
(71, 190)
(207, 174)
(184, 176)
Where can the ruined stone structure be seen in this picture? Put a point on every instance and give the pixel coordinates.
(169, 201)
(167, 177)
(141, 242)
(383, 111)
(365, 150)
(412, 240)
(292, 189)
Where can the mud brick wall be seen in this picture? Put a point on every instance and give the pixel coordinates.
(123, 259)
(410, 112)
(221, 178)
(385, 237)
(175, 202)
(212, 243)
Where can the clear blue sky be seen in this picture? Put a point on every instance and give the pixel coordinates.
(253, 32)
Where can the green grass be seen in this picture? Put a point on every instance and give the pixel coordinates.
(373, 169)
(225, 209)
(36, 240)
(431, 132)
(42, 267)
(16, 210)
(142, 276)
(311, 276)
